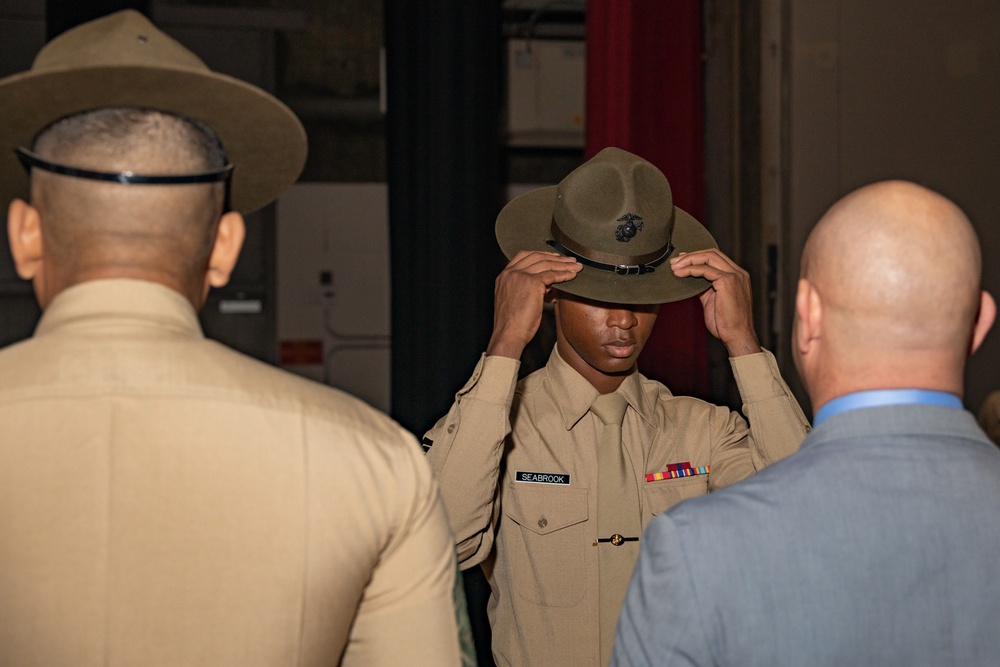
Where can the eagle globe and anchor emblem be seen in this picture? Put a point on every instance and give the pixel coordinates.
(631, 225)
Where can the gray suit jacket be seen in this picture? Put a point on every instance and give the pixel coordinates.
(877, 544)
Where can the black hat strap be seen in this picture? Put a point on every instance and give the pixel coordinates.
(620, 269)
(29, 160)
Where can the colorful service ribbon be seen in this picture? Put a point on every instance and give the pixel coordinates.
(675, 470)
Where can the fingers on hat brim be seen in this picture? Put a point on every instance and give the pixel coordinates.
(525, 223)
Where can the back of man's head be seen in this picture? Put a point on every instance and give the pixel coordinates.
(92, 229)
(123, 181)
(889, 295)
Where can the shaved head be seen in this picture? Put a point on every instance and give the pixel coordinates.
(897, 260)
(892, 274)
(94, 228)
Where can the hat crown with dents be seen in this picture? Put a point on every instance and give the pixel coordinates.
(123, 38)
(123, 60)
(615, 214)
(615, 209)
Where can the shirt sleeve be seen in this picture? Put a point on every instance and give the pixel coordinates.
(465, 449)
(407, 614)
(661, 622)
(776, 429)
(777, 423)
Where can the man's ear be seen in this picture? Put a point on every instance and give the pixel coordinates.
(984, 320)
(24, 232)
(808, 314)
(228, 242)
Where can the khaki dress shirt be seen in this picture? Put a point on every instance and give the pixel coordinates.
(535, 539)
(165, 500)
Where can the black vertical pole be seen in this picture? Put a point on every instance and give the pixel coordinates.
(61, 15)
(443, 62)
(443, 79)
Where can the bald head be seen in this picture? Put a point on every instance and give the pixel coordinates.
(897, 259)
(93, 228)
(894, 269)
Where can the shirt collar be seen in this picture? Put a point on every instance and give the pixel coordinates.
(123, 300)
(882, 397)
(573, 394)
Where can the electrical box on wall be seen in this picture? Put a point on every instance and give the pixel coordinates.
(545, 92)
(333, 286)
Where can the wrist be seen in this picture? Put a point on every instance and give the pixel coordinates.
(505, 346)
(742, 346)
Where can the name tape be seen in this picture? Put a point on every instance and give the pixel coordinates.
(541, 477)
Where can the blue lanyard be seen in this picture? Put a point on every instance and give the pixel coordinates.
(880, 397)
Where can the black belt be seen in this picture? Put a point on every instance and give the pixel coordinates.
(616, 540)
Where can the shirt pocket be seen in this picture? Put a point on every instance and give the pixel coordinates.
(665, 493)
(547, 551)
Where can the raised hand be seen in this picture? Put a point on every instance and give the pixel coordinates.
(519, 298)
(728, 303)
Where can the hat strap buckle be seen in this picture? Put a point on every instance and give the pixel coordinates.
(637, 269)
(620, 269)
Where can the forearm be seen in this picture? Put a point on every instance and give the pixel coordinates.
(466, 447)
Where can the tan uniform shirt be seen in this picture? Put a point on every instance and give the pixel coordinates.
(167, 501)
(535, 539)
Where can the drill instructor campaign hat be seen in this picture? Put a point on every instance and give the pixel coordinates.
(615, 214)
(123, 60)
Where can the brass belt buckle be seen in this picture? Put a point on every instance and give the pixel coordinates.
(617, 540)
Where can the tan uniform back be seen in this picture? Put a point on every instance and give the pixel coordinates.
(166, 501)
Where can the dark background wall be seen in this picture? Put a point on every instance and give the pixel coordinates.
(803, 100)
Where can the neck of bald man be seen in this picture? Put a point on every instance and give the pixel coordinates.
(933, 370)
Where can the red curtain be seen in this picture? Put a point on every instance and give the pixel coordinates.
(644, 94)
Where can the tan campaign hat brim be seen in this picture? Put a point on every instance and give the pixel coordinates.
(525, 224)
(95, 66)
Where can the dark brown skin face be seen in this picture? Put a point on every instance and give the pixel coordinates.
(602, 341)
